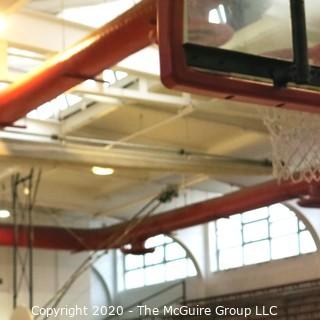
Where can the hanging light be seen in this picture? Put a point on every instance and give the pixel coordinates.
(4, 214)
(26, 191)
(102, 171)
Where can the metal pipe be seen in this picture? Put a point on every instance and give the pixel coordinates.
(246, 199)
(30, 237)
(127, 34)
(14, 242)
(300, 41)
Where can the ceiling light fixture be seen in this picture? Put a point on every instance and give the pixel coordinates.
(101, 171)
(26, 191)
(3, 22)
(4, 214)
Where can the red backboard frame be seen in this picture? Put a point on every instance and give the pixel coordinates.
(176, 74)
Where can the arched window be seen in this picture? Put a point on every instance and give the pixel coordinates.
(168, 262)
(257, 236)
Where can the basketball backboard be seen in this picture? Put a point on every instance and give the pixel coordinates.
(254, 51)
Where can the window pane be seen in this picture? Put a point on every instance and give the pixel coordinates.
(284, 247)
(231, 239)
(301, 226)
(255, 231)
(279, 211)
(174, 251)
(254, 215)
(155, 274)
(176, 269)
(283, 227)
(236, 220)
(192, 272)
(134, 279)
(256, 252)
(167, 239)
(225, 225)
(133, 261)
(213, 246)
(230, 258)
(155, 241)
(307, 243)
(276, 226)
(154, 257)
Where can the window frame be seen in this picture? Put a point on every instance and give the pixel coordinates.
(168, 240)
(215, 266)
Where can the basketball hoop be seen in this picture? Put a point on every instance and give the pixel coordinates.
(295, 144)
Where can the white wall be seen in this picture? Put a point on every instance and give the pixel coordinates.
(263, 275)
(51, 270)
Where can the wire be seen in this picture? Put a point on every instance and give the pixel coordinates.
(137, 219)
(86, 264)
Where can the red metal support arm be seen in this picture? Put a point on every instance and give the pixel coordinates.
(113, 237)
(127, 34)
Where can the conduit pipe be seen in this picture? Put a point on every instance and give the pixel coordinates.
(246, 199)
(127, 34)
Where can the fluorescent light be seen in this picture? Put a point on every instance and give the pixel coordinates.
(101, 171)
(4, 214)
(26, 191)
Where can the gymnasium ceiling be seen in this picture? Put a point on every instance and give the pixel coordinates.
(150, 135)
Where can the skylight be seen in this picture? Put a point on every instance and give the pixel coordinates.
(111, 77)
(24, 53)
(51, 109)
(23, 60)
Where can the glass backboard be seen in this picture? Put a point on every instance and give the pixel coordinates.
(240, 49)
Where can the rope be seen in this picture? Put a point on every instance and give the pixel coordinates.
(136, 220)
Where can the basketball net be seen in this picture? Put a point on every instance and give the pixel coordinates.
(295, 140)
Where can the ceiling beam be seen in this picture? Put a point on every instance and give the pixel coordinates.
(87, 115)
(46, 148)
(26, 22)
(131, 95)
(151, 193)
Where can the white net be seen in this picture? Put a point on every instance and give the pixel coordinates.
(295, 143)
